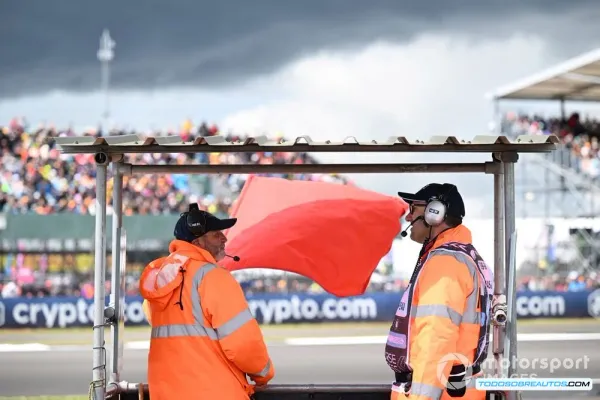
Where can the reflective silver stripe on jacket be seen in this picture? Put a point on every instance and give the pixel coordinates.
(198, 328)
(470, 314)
(423, 389)
(430, 391)
(264, 371)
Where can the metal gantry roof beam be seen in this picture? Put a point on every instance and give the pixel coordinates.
(134, 144)
(487, 167)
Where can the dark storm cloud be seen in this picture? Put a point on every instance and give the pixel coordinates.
(46, 45)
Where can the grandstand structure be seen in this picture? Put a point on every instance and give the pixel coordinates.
(552, 186)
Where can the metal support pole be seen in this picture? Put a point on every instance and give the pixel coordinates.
(99, 351)
(511, 294)
(116, 284)
(116, 388)
(499, 308)
(510, 343)
(524, 185)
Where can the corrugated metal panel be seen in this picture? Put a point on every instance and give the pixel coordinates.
(210, 144)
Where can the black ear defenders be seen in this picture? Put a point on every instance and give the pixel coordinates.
(437, 207)
(196, 220)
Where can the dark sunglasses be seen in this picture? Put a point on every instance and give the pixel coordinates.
(412, 206)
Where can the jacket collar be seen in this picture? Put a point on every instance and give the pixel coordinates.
(460, 234)
(191, 251)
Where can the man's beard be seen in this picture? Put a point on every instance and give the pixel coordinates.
(217, 253)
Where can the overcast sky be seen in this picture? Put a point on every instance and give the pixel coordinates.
(328, 69)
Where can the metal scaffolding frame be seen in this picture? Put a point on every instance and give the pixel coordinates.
(112, 150)
(576, 79)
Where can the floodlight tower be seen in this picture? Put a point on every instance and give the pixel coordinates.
(105, 56)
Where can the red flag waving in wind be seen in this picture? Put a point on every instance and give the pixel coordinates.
(333, 234)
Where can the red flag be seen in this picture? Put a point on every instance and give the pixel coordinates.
(333, 234)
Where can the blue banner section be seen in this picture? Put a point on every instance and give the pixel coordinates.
(65, 312)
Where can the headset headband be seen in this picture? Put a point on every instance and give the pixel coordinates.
(195, 220)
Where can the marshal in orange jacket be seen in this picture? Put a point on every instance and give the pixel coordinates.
(204, 342)
(445, 320)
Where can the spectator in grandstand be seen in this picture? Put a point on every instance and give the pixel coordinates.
(214, 341)
(10, 290)
(443, 290)
(577, 282)
(580, 138)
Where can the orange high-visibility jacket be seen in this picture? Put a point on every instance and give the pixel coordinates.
(444, 283)
(204, 341)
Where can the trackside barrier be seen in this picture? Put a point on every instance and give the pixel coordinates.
(67, 312)
(298, 392)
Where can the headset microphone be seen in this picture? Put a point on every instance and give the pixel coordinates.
(235, 258)
(404, 232)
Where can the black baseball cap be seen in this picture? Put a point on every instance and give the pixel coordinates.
(209, 222)
(456, 205)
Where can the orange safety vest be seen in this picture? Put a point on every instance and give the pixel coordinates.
(204, 341)
(443, 316)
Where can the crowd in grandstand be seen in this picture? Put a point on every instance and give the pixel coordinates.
(574, 282)
(36, 178)
(580, 137)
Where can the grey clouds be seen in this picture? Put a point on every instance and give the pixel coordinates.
(47, 45)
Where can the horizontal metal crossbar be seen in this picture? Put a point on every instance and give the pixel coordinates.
(279, 392)
(322, 388)
(130, 144)
(488, 167)
(290, 388)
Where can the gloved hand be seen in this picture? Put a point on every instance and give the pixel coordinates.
(259, 381)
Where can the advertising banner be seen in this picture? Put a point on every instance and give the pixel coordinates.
(67, 312)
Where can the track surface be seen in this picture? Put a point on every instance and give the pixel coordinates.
(67, 370)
